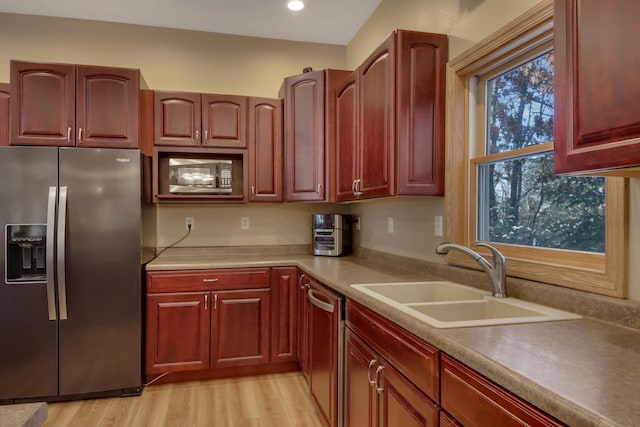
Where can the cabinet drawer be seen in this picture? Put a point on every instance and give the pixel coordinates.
(196, 280)
(474, 400)
(414, 358)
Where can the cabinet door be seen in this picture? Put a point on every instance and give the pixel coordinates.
(176, 118)
(421, 72)
(473, 400)
(303, 323)
(377, 111)
(42, 104)
(361, 399)
(596, 121)
(284, 312)
(107, 107)
(402, 404)
(177, 332)
(265, 148)
(346, 152)
(240, 328)
(305, 137)
(224, 121)
(4, 114)
(324, 339)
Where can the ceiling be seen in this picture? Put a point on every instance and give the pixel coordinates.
(321, 21)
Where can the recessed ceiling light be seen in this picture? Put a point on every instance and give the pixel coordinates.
(295, 5)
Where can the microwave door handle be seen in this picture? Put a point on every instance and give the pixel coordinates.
(50, 248)
(62, 232)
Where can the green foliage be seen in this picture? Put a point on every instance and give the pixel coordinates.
(525, 203)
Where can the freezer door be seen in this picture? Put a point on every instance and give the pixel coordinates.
(100, 339)
(28, 339)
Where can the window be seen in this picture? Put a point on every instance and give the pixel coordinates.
(564, 230)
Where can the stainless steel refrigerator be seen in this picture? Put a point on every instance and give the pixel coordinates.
(70, 290)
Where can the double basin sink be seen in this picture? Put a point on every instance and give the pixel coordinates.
(444, 304)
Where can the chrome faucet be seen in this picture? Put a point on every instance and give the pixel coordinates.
(497, 273)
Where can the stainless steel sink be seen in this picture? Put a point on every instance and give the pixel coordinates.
(444, 304)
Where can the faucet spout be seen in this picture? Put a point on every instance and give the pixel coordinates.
(496, 272)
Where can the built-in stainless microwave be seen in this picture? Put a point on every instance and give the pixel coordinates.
(208, 176)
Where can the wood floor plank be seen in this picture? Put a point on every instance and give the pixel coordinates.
(278, 400)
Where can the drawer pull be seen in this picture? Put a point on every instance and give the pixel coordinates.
(209, 280)
(379, 370)
(371, 365)
(206, 302)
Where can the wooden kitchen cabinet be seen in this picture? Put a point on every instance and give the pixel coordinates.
(240, 328)
(177, 332)
(473, 400)
(4, 114)
(208, 320)
(193, 119)
(74, 105)
(309, 123)
(391, 377)
(390, 120)
(596, 121)
(284, 314)
(266, 149)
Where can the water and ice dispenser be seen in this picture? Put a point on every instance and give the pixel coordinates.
(25, 253)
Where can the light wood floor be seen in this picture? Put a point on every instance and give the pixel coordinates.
(271, 400)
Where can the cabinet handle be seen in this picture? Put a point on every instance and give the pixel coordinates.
(353, 187)
(209, 280)
(253, 191)
(69, 134)
(300, 279)
(206, 135)
(371, 365)
(320, 189)
(197, 135)
(358, 192)
(379, 370)
(215, 302)
(79, 135)
(206, 302)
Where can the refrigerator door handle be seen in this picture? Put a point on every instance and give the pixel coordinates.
(62, 234)
(51, 221)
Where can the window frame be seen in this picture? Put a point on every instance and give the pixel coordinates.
(528, 35)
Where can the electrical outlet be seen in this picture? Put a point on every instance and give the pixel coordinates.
(390, 224)
(437, 226)
(189, 223)
(244, 223)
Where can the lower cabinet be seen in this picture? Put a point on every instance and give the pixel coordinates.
(207, 320)
(473, 400)
(376, 392)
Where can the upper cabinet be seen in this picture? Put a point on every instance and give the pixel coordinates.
(193, 119)
(390, 120)
(596, 123)
(309, 123)
(265, 146)
(4, 114)
(74, 105)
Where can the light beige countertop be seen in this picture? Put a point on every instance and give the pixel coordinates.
(583, 372)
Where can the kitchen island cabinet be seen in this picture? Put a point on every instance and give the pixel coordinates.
(4, 114)
(75, 105)
(596, 121)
